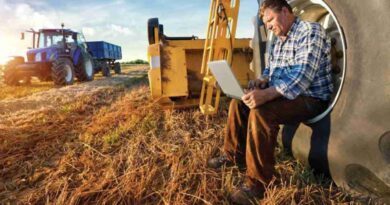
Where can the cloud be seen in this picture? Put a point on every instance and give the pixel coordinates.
(120, 30)
(27, 17)
(88, 31)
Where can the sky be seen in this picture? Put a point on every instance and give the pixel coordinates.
(121, 22)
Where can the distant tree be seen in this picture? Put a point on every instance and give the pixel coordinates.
(140, 61)
(137, 61)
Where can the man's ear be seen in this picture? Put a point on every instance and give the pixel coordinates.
(285, 11)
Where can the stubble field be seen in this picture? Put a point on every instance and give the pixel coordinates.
(105, 142)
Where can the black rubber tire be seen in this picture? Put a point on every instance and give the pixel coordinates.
(10, 76)
(117, 68)
(81, 71)
(18, 60)
(152, 23)
(26, 80)
(60, 70)
(45, 78)
(361, 115)
(106, 71)
(161, 30)
(10, 73)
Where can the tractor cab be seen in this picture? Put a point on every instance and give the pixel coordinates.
(54, 37)
(49, 43)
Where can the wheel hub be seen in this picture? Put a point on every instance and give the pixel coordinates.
(88, 68)
(319, 11)
(69, 73)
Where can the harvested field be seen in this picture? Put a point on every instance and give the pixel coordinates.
(105, 142)
(9, 92)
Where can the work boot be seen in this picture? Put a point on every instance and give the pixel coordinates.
(218, 162)
(223, 160)
(247, 195)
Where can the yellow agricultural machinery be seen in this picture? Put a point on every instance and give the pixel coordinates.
(178, 76)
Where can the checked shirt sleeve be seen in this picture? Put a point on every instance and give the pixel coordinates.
(265, 73)
(298, 76)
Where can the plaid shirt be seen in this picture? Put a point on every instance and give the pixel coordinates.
(301, 64)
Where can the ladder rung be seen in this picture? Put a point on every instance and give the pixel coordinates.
(207, 109)
(209, 79)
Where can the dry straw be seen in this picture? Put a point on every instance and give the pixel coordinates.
(117, 147)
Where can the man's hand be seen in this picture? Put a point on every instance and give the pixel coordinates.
(258, 97)
(261, 83)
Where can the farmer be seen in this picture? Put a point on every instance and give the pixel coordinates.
(295, 86)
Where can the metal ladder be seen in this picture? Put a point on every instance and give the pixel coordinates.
(219, 45)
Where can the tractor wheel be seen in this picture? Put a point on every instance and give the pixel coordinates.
(84, 70)
(152, 23)
(106, 70)
(17, 60)
(117, 68)
(360, 110)
(45, 78)
(11, 76)
(26, 80)
(62, 72)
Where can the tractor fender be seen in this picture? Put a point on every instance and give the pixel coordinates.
(76, 56)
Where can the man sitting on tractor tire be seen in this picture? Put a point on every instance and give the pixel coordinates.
(295, 87)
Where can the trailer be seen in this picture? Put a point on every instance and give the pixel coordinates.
(105, 56)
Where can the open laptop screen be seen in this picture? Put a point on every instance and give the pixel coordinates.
(226, 79)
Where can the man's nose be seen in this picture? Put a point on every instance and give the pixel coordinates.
(269, 27)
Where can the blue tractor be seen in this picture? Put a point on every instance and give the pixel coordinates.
(60, 55)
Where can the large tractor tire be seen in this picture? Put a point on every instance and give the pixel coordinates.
(62, 72)
(117, 68)
(106, 71)
(11, 76)
(152, 24)
(357, 147)
(45, 78)
(84, 70)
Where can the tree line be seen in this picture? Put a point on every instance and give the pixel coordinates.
(137, 61)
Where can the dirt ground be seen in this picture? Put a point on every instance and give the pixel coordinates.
(106, 142)
(41, 121)
(55, 97)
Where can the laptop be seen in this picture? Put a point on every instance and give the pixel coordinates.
(226, 79)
